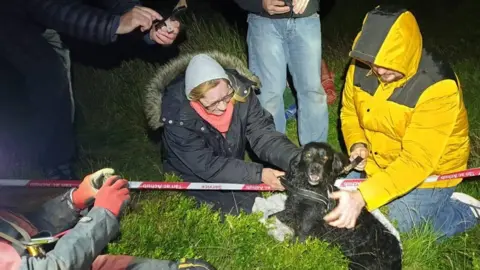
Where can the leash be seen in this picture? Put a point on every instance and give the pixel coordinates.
(350, 166)
(314, 196)
(304, 193)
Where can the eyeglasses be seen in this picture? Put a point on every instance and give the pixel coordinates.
(225, 99)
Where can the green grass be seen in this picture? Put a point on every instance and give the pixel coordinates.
(112, 132)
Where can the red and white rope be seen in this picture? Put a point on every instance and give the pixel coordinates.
(346, 184)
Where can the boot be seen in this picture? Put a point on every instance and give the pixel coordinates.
(327, 80)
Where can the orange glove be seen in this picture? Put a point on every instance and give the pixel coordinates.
(85, 194)
(113, 195)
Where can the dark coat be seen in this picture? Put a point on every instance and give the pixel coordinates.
(197, 152)
(71, 17)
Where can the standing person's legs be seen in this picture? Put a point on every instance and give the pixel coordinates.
(266, 56)
(62, 50)
(46, 85)
(448, 216)
(304, 61)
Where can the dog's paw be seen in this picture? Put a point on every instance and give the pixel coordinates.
(302, 238)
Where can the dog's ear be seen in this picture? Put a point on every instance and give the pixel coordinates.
(340, 161)
(294, 162)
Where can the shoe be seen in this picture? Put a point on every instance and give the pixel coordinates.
(62, 172)
(195, 264)
(468, 200)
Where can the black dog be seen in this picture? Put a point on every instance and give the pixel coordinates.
(368, 246)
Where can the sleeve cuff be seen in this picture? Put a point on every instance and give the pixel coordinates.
(115, 25)
(355, 145)
(257, 177)
(374, 194)
(356, 140)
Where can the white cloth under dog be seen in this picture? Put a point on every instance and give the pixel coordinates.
(276, 203)
(269, 206)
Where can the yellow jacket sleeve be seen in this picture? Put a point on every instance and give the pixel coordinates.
(351, 130)
(425, 138)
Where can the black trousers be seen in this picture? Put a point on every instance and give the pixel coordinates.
(35, 106)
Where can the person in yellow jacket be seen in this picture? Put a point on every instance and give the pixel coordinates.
(403, 111)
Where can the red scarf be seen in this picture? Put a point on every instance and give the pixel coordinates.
(219, 122)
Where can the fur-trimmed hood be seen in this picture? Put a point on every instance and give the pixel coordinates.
(176, 67)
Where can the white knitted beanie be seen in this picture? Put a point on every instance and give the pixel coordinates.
(202, 68)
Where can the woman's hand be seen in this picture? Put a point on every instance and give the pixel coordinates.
(270, 177)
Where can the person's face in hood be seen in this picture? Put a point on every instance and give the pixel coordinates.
(390, 41)
(215, 100)
(386, 75)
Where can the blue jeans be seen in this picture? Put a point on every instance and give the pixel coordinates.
(448, 216)
(274, 44)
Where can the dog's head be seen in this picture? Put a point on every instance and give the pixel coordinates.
(319, 163)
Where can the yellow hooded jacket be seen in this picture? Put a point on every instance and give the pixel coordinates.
(414, 127)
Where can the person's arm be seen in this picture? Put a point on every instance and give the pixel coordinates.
(64, 211)
(77, 19)
(352, 131)
(55, 215)
(253, 6)
(425, 138)
(190, 148)
(79, 247)
(267, 143)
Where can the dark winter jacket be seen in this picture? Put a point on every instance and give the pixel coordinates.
(71, 17)
(256, 7)
(195, 150)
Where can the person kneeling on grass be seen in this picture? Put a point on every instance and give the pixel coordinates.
(403, 112)
(209, 114)
(80, 247)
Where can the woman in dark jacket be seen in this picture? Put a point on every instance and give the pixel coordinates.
(209, 114)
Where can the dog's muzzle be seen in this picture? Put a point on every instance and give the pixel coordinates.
(315, 172)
